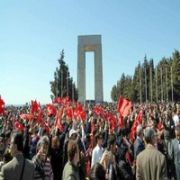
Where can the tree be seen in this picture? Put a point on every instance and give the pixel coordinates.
(176, 75)
(114, 94)
(149, 83)
(63, 84)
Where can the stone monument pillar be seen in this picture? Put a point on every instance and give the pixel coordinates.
(85, 44)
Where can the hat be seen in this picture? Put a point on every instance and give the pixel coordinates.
(72, 131)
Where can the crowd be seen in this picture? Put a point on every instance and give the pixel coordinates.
(69, 141)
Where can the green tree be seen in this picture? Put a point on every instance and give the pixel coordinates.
(114, 94)
(63, 84)
(176, 75)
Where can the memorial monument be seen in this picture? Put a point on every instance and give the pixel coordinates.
(90, 43)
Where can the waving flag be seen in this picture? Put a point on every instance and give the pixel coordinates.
(35, 107)
(2, 104)
(123, 108)
(137, 121)
(58, 118)
(51, 110)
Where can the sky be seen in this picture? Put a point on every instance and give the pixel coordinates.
(33, 33)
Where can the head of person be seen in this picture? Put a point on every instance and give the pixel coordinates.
(139, 130)
(16, 144)
(43, 146)
(150, 136)
(177, 132)
(99, 139)
(73, 134)
(7, 156)
(112, 143)
(97, 172)
(73, 152)
(55, 142)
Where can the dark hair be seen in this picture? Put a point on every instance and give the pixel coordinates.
(97, 172)
(7, 156)
(72, 149)
(98, 136)
(18, 140)
(111, 141)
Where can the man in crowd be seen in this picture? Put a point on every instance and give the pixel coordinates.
(71, 170)
(176, 151)
(18, 168)
(98, 150)
(138, 144)
(150, 163)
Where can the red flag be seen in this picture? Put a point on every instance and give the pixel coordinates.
(124, 106)
(137, 121)
(27, 117)
(35, 107)
(58, 100)
(69, 112)
(112, 121)
(121, 121)
(40, 117)
(79, 112)
(2, 104)
(19, 126)
(58, 123)
(50, 109)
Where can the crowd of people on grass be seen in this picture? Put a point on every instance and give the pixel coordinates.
(108, 141)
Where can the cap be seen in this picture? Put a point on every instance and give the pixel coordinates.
(72, 131)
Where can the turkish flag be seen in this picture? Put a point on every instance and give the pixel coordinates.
(69, 112)
(19, 126)
(58, 123)
(137, 121)
(35, 107)
(124, 106)
(50, 109)
(2, 104)
(27, 117)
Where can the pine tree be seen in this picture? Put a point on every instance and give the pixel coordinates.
(63, 84)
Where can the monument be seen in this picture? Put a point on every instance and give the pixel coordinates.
(90, 43)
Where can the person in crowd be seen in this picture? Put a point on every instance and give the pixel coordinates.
(150, 163)
(6, 157)
(98, 150)
(139, 143)
(43, 169)
(56, 152)
(108, 159)
(175, 117)
(18, 168)
(176, 151)
(71, 170)
(97, 172)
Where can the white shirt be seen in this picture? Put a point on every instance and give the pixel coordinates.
(96, 155)
(176, 119)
